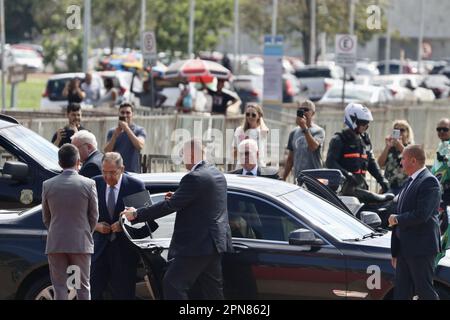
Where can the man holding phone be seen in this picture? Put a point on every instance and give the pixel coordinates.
(305, 142)
(127, 139)
(64, 135)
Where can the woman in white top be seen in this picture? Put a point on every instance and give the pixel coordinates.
(253, 127)
(110, 98)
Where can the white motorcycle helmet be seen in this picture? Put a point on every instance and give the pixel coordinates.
(354, 112)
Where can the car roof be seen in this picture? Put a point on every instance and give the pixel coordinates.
(267, 186)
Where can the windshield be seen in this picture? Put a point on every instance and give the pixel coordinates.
(25, 54)
(324, 215)
(313, 73)
(41, 150)
(360, 95)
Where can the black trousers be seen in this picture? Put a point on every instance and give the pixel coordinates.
(414, 276)
(205, 272)
(115, 270)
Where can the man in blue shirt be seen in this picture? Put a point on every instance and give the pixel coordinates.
(128, 139)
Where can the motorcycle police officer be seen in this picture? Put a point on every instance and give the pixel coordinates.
(350, 151)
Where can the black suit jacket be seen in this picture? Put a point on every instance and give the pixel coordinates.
(417, 232)
(267, 172)
(201, 224)
(128, 187)
(93, 165)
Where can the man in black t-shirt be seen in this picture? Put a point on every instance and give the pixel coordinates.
(63, 135)
(221, 99)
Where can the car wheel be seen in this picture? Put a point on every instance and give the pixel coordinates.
(42, 289)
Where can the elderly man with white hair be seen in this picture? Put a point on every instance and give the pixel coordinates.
(91, 158)
(202, 232)
(248, 158)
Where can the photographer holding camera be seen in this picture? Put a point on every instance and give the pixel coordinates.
(305, 142)
(127, 139)
(63, 135)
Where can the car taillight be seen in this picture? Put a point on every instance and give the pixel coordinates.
(327, 86)
(45, 93)
(122, 91)
(254, 93)
(289, 88)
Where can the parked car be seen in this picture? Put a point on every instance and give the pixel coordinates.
(24, 56)
(128, 84)
(26, 161)
(315, 80)
(53, 99)
(249, 89)
(404, 87)
(357, 93)
(439, 84)
(395, 67)
(289, 244)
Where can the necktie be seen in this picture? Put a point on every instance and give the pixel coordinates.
(404, 190)
(111, 203)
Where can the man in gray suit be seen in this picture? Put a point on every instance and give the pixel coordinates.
(70, 227)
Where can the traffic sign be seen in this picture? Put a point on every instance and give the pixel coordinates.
(149, 52)
(346, 46)
(16, 74)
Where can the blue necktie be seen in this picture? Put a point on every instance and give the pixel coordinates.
(111, 204)
(403, 193)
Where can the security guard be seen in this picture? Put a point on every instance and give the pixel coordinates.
(351, 151)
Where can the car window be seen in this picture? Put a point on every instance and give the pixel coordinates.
(41, 150)
(55, 89)
(254, 218)
(313, 73)
(329, 218)
(166, 224)
(6, 156)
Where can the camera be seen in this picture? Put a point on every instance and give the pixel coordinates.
(122, 118)
(300, 113)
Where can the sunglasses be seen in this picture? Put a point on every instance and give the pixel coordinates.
(253, 115)
(401, 129)
(362, 123)
(442, 129)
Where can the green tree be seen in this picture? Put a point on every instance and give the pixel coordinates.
(294, 19)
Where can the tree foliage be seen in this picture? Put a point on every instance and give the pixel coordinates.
(294, 19)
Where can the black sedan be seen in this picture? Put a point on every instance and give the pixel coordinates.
(289, 244)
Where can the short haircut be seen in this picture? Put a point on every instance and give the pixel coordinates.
(73, 107)
(127, 105)
(85, 136)
(195, 143)
(416, 151)
(307, 104)
(248, 144)
(68, 156)
(446, 120)
(114, 157)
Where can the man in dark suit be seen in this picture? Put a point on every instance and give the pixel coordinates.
(90, 157)
(248, 157)
(115, 260)
(201, 233)
(415, 236)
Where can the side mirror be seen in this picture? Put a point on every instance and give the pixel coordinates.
(371, 218)
(304, 237)
(16, 170)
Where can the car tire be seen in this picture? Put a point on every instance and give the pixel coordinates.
(38, 288)
(42, 289)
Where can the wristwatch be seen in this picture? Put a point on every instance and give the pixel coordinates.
(305, 130)
(135, 214)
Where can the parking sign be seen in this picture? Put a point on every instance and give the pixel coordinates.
(149, 52)
(346, 50)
